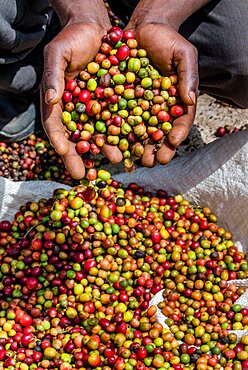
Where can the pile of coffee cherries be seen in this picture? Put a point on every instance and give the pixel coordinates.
(35, 159)
(78, 272)
(120, 99)
(32, 159)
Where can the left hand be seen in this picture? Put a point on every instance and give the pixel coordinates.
(65, 56)
(170, 53)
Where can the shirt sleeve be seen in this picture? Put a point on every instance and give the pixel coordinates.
(22, 27)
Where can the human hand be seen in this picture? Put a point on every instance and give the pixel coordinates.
(171, 54)
(64, 57)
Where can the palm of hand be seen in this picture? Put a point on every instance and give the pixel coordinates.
(80, 47)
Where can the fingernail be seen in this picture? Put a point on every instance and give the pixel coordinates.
(50, 94)
(192, 96)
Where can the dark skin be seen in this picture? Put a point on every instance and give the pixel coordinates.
(173, 56)
(77, 44)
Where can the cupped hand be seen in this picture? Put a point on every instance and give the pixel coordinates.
(171, 54)
(64, 57)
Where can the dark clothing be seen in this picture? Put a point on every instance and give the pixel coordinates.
(123, 8)
(219, 31)
(26, 26)
(22, 26)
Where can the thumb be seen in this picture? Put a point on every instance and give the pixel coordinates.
(54, 73)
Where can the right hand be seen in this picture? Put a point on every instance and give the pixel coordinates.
(171, 54)
(64, 57)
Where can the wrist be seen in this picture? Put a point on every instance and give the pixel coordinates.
(78, 11)
(143, 17)
(168, 12)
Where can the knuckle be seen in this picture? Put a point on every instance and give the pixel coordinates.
(190, 51)
(52, 53)
(47, 50)
(50, 48)
(48, 74)
(194, 51)
(194, 77)
(48, 78)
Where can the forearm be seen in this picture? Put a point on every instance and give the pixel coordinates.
(87, 11)
(171, 12)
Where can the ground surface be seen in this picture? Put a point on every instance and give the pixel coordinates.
(210, 115)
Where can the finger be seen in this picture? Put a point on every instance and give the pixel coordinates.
(51, 119)
(181, 127)
(165, 153)
(113, 153)
(73, 162)
(148, 158)
(186, 63)
(54, 72)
